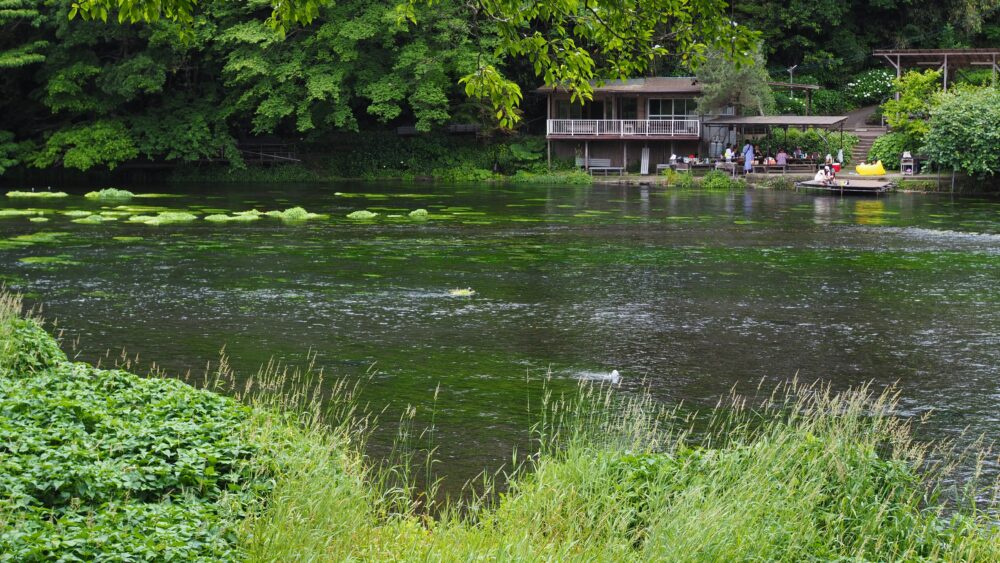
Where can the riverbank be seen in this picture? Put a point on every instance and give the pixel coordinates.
(104, 462)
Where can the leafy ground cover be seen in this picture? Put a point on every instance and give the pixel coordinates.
(105, 464)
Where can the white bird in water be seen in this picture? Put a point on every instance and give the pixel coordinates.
(615, 377)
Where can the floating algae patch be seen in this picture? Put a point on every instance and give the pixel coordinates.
(94, 220)
(418, 214)
(7, 213)
(39, 219)
(59, 260)
(36, 195)
(293, 214)
(467, 292)
(362, 215)
(242, 216)
(110, 194)
(164, 218)
(156, 196)
(76, 213)
(127, 239)
(41, 237)
(141, 208)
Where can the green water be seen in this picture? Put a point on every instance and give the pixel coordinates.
(687, 293)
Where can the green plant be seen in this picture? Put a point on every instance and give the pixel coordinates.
(718, 180)
(362, 215)
(964, 131)
(870, 87)
(36, 195)
(683, 180)
(163, 218)
(113, 194)
(889, 149)
(908, 115)
(291, 215)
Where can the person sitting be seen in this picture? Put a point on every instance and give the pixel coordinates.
(771, 161)
(823, 176)
(829, 158)
(782, 158)
(730, 153)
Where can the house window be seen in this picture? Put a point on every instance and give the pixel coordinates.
(629, 108)
(567, 110)
(669, 108)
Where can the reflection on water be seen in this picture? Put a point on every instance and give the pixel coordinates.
(695, 293)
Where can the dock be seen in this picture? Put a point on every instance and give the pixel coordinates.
(849, 186)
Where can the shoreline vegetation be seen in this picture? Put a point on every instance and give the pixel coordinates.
(104, 462)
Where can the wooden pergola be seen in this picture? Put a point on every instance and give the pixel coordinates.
(942, 59)
(807, 88)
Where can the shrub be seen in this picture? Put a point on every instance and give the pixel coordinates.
(889, 149)
(870, 87)
(830, 102)
(683, 180)
(718, 180)
(964, 131)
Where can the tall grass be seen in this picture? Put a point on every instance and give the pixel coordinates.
(802, 473)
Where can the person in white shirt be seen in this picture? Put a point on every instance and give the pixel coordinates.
(729, 154)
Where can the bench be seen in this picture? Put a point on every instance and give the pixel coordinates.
(601, 165)
(767, 168)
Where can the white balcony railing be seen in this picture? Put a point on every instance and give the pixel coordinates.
(624, 127)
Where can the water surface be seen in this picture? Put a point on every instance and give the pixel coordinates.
(693, 292)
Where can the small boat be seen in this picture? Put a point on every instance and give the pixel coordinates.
(849, 186)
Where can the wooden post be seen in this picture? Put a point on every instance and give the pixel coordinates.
(548, 149)
(624, 154)
(586, 155)
(945, 72)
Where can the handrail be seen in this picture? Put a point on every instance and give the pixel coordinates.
(624, 127)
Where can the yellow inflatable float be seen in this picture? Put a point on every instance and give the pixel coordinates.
(870, 169)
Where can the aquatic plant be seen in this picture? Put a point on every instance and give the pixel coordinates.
(467, 292)
(110, 194)
(39, 219)
(293, 214)
(93, 220)
(163, 218)
(77, 213)
(36, 195)
(363, 214)
(418, 214)
(239, 216)
(127, 239)
(60, 260)
(7, 213)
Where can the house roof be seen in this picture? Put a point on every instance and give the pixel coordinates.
(820, 121)
(652, 85)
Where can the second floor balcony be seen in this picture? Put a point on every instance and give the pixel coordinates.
(588, 129)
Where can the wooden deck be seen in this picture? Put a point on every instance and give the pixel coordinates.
(849, 186)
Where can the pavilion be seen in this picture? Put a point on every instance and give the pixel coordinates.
(941, 59)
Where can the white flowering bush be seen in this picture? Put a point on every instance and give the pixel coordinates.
(870, 87)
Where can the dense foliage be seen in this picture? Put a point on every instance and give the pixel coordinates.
(964, 131)
(191, 80)
(102, 464)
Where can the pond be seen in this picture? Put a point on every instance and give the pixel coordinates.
(688, 293)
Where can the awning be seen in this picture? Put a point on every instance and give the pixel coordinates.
(816, 121)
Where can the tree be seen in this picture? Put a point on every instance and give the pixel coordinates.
(569, 43)
(908, 115)
(964, 131)
(725, 84)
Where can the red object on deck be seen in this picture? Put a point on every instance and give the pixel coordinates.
(836, 167)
